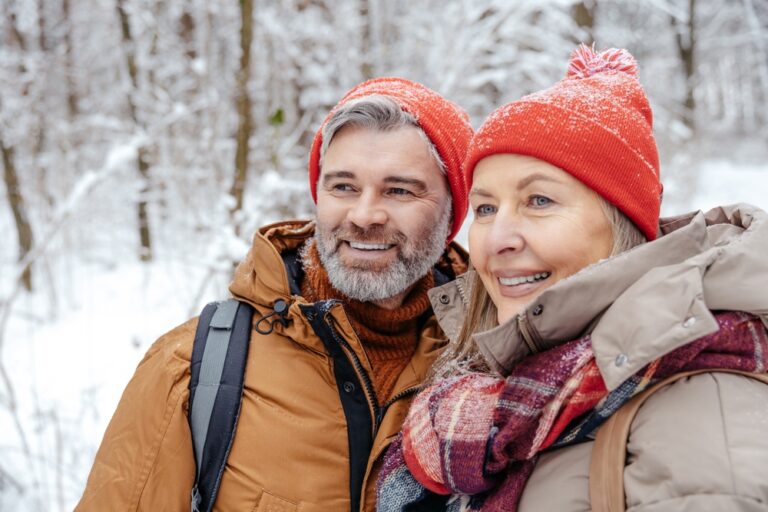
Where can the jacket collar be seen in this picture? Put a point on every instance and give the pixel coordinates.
(643, 303)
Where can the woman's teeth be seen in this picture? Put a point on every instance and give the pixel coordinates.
(514, 281)
(369, 247)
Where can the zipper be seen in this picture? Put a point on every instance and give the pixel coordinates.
(377, 411)
(402, 394)
(399, 396)
(528, 333)
(362, 375)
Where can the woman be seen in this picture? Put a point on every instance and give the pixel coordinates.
(581, 298)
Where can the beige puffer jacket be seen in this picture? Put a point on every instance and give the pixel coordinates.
(700, 444)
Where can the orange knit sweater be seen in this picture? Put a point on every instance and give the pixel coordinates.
(388, 336)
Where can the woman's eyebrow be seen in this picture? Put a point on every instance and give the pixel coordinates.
(477, 191)
(535, 177)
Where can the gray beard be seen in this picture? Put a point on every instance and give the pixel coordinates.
(414, 260)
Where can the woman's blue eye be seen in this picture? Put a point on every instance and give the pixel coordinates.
(485, 209)
(540, 201)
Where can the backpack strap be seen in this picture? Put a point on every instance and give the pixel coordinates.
(606, 470)
(217, 372)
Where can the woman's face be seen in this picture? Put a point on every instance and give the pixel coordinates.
(534, 224)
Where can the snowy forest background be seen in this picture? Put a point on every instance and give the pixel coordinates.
(143, 142)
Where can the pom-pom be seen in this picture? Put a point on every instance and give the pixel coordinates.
(585, 62)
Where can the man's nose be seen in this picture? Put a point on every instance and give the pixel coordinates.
(367, 210)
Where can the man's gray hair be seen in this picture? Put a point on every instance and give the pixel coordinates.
(375, 112)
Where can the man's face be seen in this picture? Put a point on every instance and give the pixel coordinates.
(383, 211)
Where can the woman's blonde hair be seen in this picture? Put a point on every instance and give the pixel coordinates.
(462, 355)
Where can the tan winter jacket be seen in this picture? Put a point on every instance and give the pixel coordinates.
(294, 448)
(697, 445)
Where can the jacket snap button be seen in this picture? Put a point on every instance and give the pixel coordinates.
(538, 310)
(444, 299)
(621, 360)
(689, 322)
(349, 387)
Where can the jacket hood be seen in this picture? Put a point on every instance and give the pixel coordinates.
(643, 303)
(262, 278)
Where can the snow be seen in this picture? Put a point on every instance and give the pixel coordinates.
(718, 182)
(77, 363)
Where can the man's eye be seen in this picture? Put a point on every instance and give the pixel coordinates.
(399, 191)
(540, 201)
(342, 187)
(484, 210)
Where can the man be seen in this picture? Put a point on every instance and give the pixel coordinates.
(327, 387)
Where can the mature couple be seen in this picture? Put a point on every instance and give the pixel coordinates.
(580, 298)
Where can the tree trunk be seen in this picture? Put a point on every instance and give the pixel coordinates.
(243, 103)
(43, 118)
(366, 40)
(142, 157)
(16, 200)
(686, 46)
(584, 16)
(13, 32)
(187, 31)
(42, 40)
(69, 68)
(142, 212)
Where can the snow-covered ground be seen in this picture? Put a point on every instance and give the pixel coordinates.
(69, 357)
(68, 370)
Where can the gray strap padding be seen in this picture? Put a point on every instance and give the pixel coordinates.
(212, 364)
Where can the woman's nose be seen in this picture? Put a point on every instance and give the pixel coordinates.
(367, 210)
(506, 234)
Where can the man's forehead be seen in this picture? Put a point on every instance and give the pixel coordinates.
(401, 155)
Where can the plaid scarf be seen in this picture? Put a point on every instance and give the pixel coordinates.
(475, 437)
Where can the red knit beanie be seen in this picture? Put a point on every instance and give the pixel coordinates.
(595, 124)
(445, 123)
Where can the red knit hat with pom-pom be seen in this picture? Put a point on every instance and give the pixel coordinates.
(595, 124)
(445, 123)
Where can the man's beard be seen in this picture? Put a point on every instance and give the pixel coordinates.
(365, 281)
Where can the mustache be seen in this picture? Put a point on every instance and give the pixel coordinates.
(375, 234)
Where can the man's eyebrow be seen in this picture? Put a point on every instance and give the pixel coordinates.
(328, 176)
(402, 180)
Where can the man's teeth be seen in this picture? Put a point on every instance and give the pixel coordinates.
(514, 281)
(369, 247)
